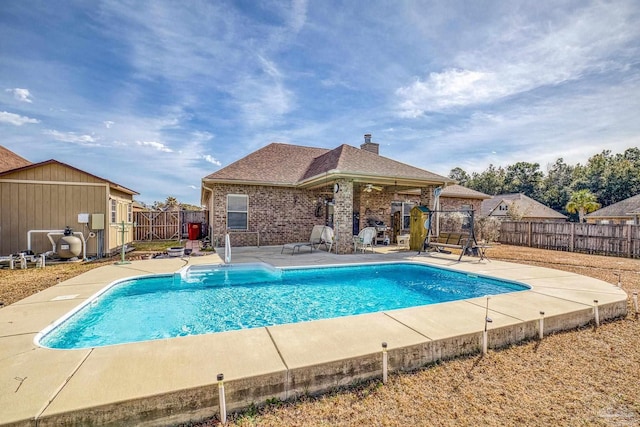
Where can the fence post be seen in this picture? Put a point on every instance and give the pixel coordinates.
(529, 235)
(572, 243)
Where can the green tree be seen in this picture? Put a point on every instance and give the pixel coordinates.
(622, 177)
(491, 181)
(459, 175)
(556, 186)
(582, 202)
(611, 178)
(170, 204)
(592, 175)
(525, 178)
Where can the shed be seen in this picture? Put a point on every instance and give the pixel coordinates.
(51, 196)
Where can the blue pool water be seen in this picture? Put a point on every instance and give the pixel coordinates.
(210, 299)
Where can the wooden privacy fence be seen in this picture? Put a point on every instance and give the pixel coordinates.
(167, 225)
(604, 239)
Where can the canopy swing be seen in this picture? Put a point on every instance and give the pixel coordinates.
(461, 239)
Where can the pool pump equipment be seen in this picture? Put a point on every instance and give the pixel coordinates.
(69, 246)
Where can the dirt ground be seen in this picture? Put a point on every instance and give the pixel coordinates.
(589, 376)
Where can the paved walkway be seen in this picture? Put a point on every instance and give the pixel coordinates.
(174, 380)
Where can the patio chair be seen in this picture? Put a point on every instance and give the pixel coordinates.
(314, 240)
(327, 238)
(364, 239)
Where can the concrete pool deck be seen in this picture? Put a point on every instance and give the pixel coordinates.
(169, 381)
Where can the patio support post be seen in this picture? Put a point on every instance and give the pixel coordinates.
(426, 196)
(343, 216)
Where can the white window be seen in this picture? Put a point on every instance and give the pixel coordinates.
(114, 211)
(406, 215)
(238, 212)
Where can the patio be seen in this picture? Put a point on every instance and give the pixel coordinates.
(174, 380)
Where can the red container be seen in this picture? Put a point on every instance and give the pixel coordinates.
(194, 230)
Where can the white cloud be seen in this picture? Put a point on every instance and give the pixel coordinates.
(108, 124)
(211, 160)
(22, 95)
(15, 119)
(72, 137)
(156, 145)
(527, 56)
(542, 130)
(449, 88)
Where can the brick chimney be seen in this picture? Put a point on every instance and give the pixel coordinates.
(370, 146)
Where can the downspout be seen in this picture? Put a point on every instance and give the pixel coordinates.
(107, 221)
(210, 190)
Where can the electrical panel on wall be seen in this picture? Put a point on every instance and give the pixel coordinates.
(97, 221)
(83, 218)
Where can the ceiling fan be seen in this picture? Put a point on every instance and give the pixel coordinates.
(369, 187)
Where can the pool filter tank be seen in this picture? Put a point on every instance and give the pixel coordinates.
(69, 246)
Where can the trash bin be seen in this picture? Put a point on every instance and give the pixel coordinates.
(194, 230)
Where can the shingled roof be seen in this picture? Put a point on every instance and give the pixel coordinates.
(529, 207)
(285, 164)
(276, 164)
(627, 207)
(10, 160)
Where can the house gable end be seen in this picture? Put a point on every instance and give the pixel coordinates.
(55, 171)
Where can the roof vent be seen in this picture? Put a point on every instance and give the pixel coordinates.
(370, 146)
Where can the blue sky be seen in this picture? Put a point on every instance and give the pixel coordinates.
(156, 95)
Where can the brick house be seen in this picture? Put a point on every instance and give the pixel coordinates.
(276, 194)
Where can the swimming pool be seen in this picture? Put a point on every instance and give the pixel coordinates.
(208, 299)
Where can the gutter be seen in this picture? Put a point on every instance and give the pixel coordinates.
(211, 212)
